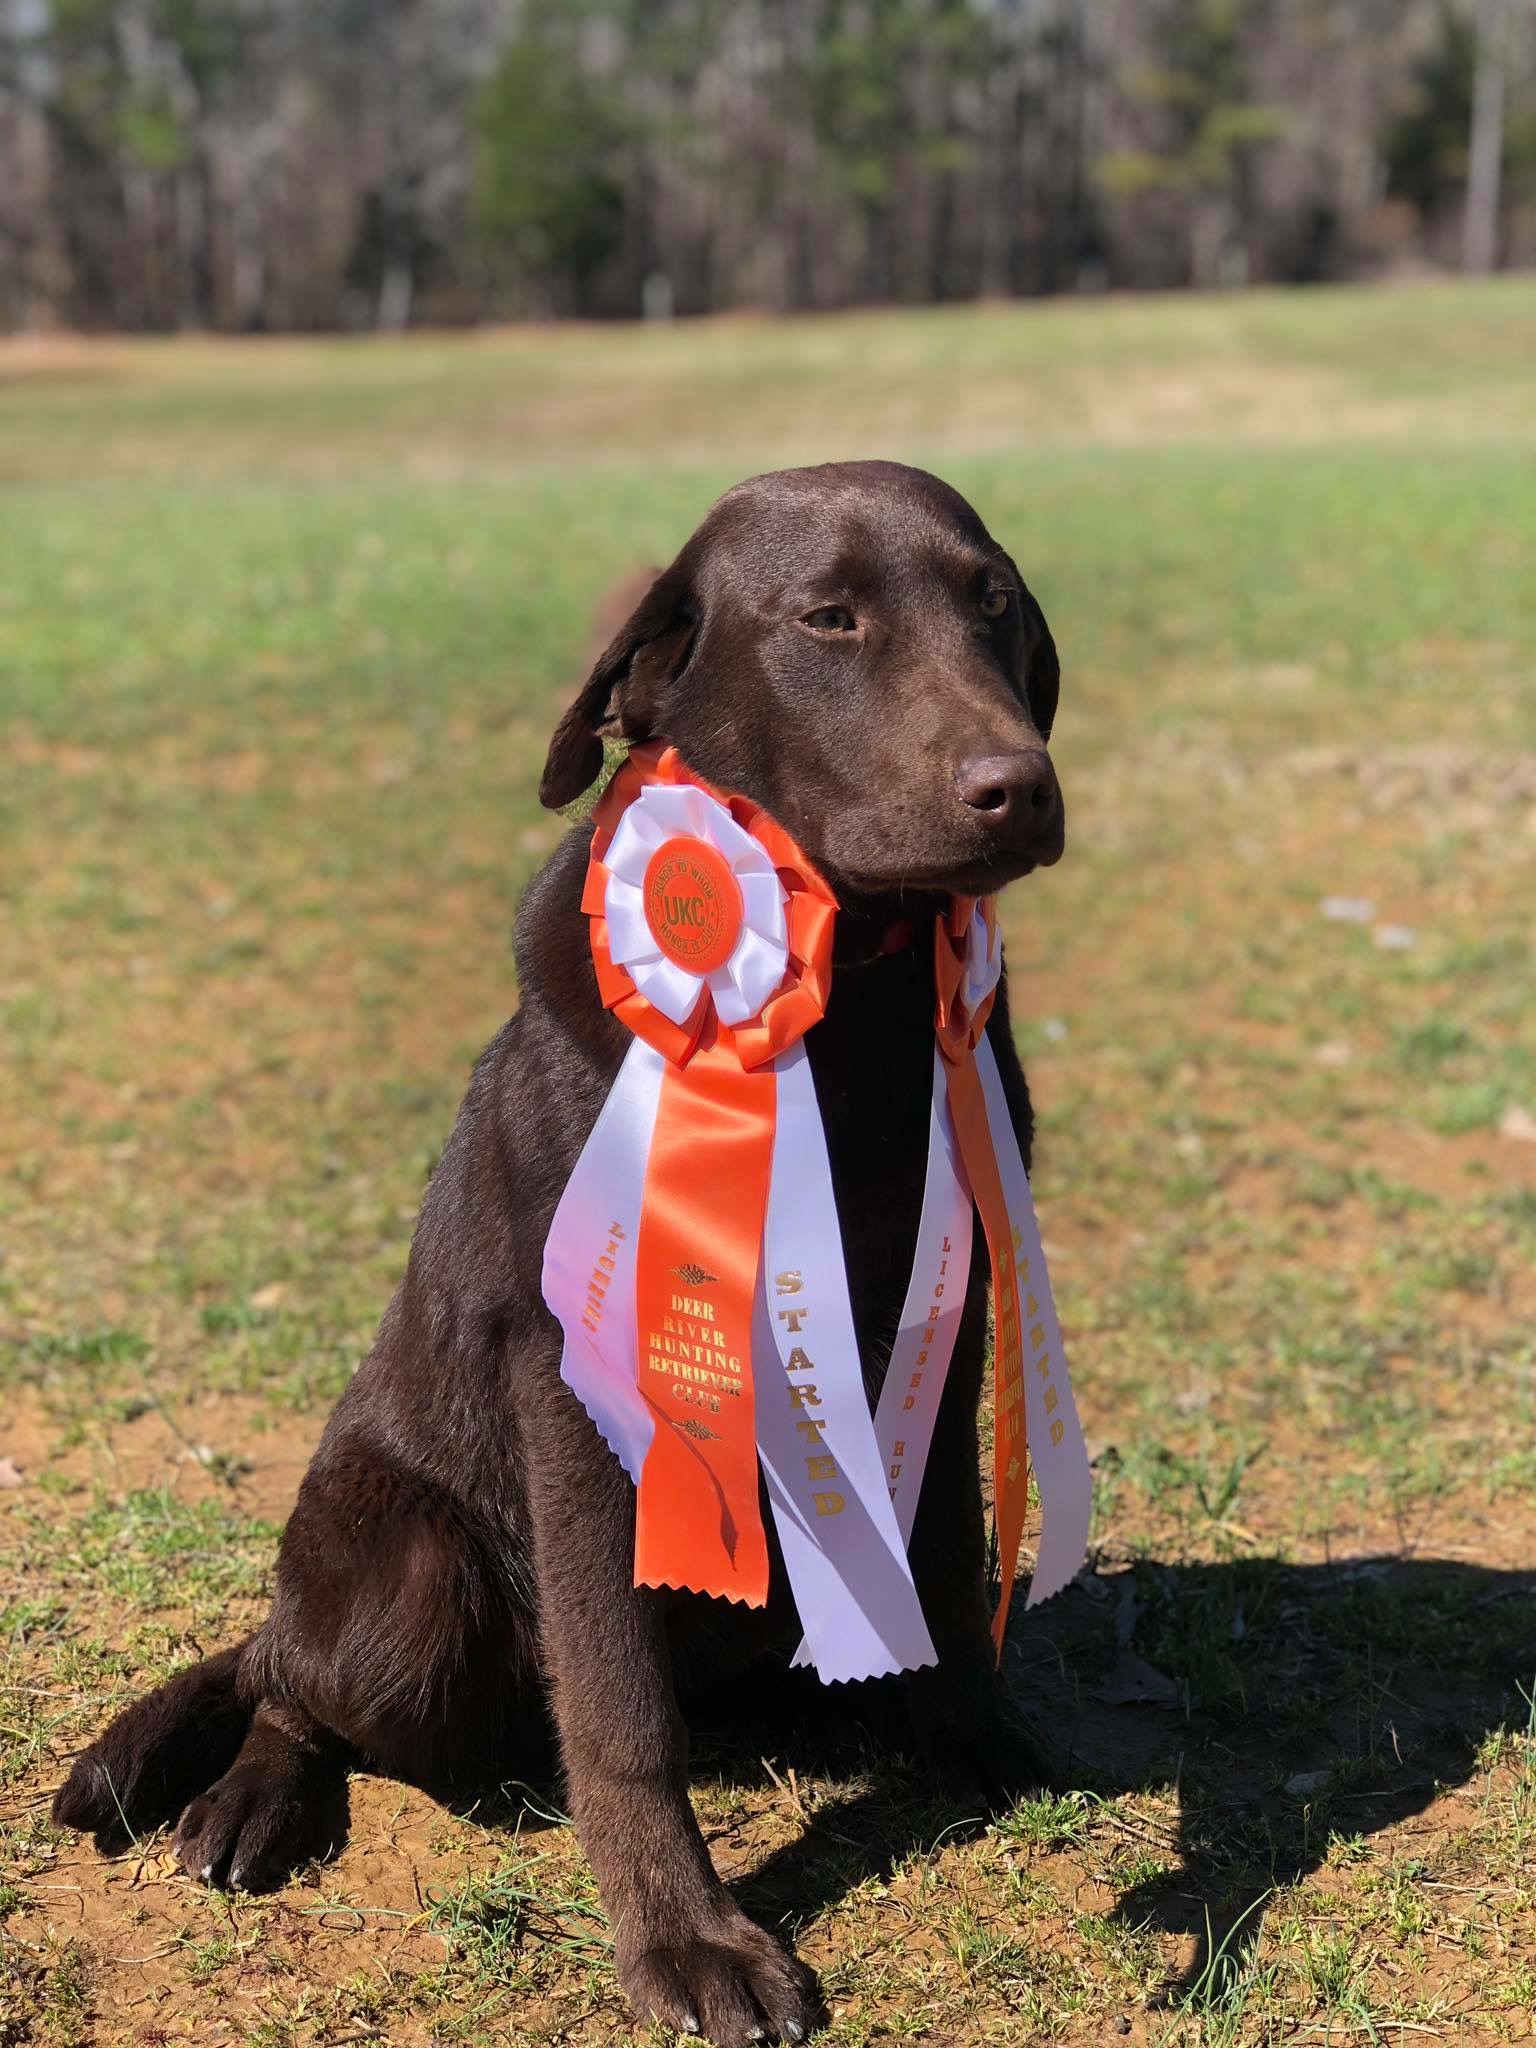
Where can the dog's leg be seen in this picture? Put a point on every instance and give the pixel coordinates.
(395, 1640)
(282, 1802)
(962, 1711)
(158, 1754)
(962, 1716)
(684, 1950)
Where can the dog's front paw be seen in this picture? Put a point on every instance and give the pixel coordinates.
(255, 1828)
(734, 1986)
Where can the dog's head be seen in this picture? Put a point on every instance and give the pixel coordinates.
(848, 646)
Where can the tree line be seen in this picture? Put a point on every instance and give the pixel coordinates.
(249, 165)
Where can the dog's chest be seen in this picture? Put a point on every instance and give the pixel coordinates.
(872, 1057)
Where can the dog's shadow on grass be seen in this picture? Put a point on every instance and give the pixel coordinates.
(1276, 1713)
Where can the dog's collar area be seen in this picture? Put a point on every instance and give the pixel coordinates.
(859, 941)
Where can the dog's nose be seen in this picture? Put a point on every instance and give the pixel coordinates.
(1015, 795)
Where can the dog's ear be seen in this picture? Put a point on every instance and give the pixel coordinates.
(1042, 667)
(619, 699)
(1039, 679)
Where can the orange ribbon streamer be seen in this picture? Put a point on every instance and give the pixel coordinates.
(698, 1520)
(706, 1190)
(959, 1029)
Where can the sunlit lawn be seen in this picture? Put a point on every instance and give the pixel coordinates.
(283, 628)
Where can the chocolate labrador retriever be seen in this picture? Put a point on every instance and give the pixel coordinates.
(850, 647)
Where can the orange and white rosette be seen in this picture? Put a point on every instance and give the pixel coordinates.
(694, 1261)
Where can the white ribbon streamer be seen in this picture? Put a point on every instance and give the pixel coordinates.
(1056, 1448)
(844, 1552)
(589, 1260)
(913, 1387)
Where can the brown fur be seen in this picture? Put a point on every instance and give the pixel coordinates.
(458, 1563)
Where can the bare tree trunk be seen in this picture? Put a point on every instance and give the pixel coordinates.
(248, 269)
(397, 288)
(1485, 154)
(193, 308)
(998, 146)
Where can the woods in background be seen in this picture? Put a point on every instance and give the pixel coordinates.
(280, 164)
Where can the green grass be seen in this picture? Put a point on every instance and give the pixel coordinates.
(283, 630)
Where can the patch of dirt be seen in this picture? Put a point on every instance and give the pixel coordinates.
(170, 1955)
(26, 358)
(240, 1450)
(1210, 1788)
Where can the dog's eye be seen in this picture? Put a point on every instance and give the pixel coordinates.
(994, 604)
(830, 618)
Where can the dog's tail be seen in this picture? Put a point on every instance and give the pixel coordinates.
(158, 1755)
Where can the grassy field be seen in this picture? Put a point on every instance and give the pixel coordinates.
(282, 631)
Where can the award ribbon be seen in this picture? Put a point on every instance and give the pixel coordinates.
(695, 1263)
(697, 1236)
(975, 1166)
(1027, 1344)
